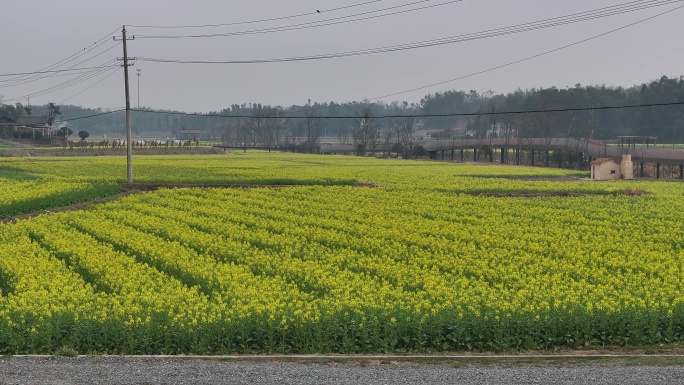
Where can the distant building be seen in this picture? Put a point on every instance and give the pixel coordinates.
(190, 134)
(26, 127)
(608, 169)
(6, 125)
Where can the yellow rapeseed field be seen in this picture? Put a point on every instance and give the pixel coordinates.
(420, 261)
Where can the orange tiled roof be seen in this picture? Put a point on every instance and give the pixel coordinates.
(601, 161)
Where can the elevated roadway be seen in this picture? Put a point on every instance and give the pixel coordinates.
(593, 149)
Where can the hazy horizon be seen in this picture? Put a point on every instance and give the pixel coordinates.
(631, 56)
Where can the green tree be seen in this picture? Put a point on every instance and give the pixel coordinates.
(83, 134)
(18, 111)
(64, 132)
(53, 111)
(398, 148)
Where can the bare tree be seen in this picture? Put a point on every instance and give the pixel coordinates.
(312, 128)
(492, 121)
(343, 135)
(508, 131)
(366, 133)
(525, 128)
(387, 134)
(492, 129)
(296, 132)
(226, 133)
(266, 127)
(478, 125)
(234, 130)
(579, 133)
(544, 121)
(272, 131)
(243, 132)
(254, 129)
(404, 129)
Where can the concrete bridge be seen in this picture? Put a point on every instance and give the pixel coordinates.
(536, 151)
(592, 149)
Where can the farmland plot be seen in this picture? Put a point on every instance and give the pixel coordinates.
(421, 263)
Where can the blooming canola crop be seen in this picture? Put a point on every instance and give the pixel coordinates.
(419, 263)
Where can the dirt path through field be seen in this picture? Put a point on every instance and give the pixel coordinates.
(114, 370)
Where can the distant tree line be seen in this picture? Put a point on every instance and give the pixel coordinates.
(255, 124)
(663, 122)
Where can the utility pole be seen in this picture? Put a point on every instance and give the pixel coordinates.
(138, 87)
(129, 145)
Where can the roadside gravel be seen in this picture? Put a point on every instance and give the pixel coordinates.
(136, 370)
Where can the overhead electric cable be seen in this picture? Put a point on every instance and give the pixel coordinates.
(531, 57)
(551, 110)
(76, 55)
(92, 116)
(34, 78)
(54, 75)
(312, 24)
(256, 21)
(542, 24)
(65, 70)
(509, 63)
(72, 108)
(100, 121)
(69, 83)
(91, 86)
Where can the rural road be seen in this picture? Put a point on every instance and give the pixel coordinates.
(146, 370)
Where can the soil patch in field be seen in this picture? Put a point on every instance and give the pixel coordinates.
(530, 178)
(550, 179)
(535, 194)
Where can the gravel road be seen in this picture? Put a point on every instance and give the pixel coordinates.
(136, 370)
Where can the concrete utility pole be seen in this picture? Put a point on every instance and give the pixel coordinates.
(129, 145)
(138, 87)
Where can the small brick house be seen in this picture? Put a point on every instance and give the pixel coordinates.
(608, 169)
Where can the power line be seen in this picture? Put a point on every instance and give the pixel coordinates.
(98, 122)
(53, 75)
(256, 21)
(69, 83)
(76, 55)
(531, 57)
(57, 71)
(81, 109)
(510, 63)
(34, 78)
(91, 86)
(542, 24)
(92, 116)
(312, 24)
(552, 110)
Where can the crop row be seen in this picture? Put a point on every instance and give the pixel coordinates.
(407, 266)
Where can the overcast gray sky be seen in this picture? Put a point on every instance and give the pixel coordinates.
(39, 33)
